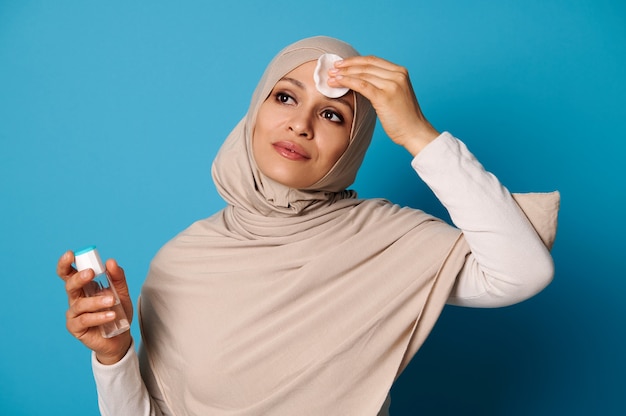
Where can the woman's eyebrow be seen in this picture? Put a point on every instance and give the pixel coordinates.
(345, 101)
(294, 81)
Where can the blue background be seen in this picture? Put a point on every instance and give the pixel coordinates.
(111, 113)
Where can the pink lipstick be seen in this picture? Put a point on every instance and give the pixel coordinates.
(291, 150)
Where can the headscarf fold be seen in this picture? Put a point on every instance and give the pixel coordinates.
(286, 302)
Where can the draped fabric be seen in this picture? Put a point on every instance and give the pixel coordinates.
(286, 302)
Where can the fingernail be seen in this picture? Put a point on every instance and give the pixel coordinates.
(109, 314)
(333, 71)
(107, 301)
(85, 275)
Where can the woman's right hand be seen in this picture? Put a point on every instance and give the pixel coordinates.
(85, 314)
(389, 89)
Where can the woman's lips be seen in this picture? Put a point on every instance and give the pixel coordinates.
(291, 150)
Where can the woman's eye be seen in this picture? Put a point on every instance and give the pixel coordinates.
(332, 116)
(283, 98)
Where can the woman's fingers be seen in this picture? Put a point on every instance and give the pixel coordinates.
(87, 313)
(88, 305)
(369, 63)
(74, 284)
(118, 280)
(375, 71)
(64, 266)
(80, 325)
(74, 280)
(115, 271)
(384, 84)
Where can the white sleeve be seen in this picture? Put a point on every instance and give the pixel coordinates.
(121, 390)
(508, 262)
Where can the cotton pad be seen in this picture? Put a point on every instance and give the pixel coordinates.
(320, 76)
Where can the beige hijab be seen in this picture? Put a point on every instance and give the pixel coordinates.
(234, 170)
(293, 302)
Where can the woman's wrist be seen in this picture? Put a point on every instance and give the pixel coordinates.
(421, 139)
(114, 357)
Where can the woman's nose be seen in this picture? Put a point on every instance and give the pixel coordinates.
(302, 126)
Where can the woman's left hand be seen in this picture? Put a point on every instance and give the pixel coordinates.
(388, 87)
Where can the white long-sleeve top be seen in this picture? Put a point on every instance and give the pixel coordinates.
(508, 262)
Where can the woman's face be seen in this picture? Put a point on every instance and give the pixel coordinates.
(300, 133)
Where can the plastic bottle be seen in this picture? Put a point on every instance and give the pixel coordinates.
(88, 258)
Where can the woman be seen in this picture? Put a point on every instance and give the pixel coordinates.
(298, 297)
